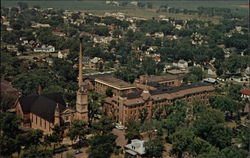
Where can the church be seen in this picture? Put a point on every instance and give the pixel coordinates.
(45, 111)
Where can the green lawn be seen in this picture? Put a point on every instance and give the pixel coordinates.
(99, 7)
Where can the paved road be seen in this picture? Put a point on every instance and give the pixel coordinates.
(121, 140)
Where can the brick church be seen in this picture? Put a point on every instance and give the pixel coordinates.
(45, 111)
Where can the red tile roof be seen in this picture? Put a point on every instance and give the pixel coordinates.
(245, 91)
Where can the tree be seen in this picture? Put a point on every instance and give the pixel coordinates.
(31, 138)
(234, 152)
(9, 125)
(104, 126)
(181, 141)
(7, 101)
(132, 130)
(34, 152)
(101, 146)
(234, 91)
(205, 122)
(220, 136)
(57, 136)
(154, 148)
(8, 145)
(143, 114)
(212, 153)
(199, 146)
(196, 74)
(77, 130)
(225, 104)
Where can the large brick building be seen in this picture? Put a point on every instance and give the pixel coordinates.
(127, 106)
(152, 82)
(119, 87)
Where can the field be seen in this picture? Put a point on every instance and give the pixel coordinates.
(99, 7)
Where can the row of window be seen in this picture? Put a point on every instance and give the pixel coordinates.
(34, 119)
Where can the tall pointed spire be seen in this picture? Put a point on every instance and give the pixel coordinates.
(80, 80)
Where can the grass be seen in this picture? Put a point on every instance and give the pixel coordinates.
(99, 7)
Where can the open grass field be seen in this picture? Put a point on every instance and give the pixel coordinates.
(99, 7)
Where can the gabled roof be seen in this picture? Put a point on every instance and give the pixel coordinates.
(43, 106)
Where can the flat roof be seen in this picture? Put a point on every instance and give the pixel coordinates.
(166, 77)
(114, 83)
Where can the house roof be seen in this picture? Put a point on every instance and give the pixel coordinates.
(43, 106)
(7, 87)
(246, 91)
(166, 77)
(136, 146)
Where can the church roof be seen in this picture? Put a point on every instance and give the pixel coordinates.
(42, 105)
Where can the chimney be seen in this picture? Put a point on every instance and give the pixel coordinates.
(80, 77)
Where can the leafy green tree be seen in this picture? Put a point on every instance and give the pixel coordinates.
(206, 120)
(181, 141)
(154, 148)
(101, 146)
(199, 146)
(196, 74)
(133, 130)
(103, 126)
(143, 114)
(234, 152)
(212, 153)
(34, 152)
(7, 101)
(8, 145)
(220, 136)
(57, 136)
(234, 91)
(77, 130)
(31, 138)
(9, 122)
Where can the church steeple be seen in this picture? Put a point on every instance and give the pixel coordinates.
(80, 75)
(81, 96)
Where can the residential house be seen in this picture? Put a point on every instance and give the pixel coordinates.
(96, 63)
(135, 148)
(44, 49)
(63, 53)
(182, 64)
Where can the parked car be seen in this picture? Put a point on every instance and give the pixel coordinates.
(77, 152)
(120, 127)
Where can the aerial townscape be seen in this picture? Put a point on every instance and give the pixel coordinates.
(125, 79)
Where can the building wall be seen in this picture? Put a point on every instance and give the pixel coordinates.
(122, 113)
(40, 123)
(101, 89)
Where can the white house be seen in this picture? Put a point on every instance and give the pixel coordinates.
(136, 148)
(44, 49)
(63, 53)
(182, 64)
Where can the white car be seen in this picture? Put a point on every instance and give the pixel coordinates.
(119, 127)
